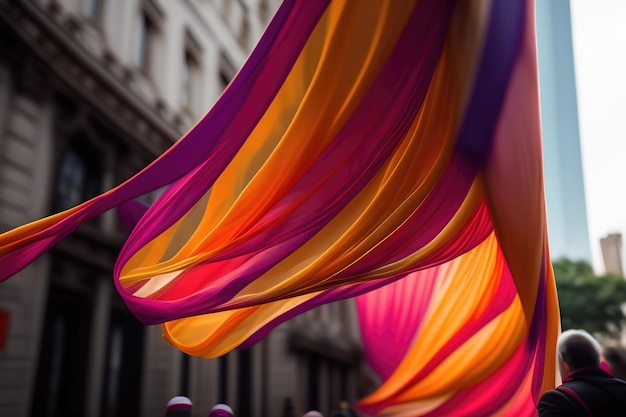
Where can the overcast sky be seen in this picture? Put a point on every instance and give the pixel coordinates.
(599, 33)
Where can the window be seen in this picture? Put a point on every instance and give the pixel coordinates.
(148, 30)
(313, 379)
(183, 386)
(190, 77)
(188, 63)
(121, 387)
(226, 72)
(145, 42)
(93, 9)
(265, 11)
(60, 386)
(244, 32)
(224, 80)
(79, 178)
(70, 182)
(222, 393)
(114, 369)
(244, 383)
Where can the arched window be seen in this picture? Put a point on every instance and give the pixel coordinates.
(79, 177)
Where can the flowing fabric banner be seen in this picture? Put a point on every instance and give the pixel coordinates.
(384, 150)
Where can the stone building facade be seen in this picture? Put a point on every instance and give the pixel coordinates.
(91, 91)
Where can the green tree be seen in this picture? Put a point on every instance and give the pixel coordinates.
(590, 302)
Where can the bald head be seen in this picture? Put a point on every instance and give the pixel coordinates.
(578, 349)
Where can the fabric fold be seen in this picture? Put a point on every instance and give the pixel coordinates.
(383, 150)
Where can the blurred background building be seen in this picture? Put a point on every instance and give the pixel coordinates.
(91, 91)
(563, 172)
(612, 254)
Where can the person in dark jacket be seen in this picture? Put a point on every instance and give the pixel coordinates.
(587, 390)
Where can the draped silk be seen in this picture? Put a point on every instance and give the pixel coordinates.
(384, 150)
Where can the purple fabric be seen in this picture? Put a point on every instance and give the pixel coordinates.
(501, 49)
(477, 230)
(538, 331)
(400, 86)
(131, 212)
(426, 223)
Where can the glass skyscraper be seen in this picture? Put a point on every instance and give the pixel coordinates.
(564, 187)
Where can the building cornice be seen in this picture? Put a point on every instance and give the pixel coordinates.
(92, 79)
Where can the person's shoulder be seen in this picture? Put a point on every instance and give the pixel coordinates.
(603, 379)
(553, 395)
(618, 386)
(555, 403)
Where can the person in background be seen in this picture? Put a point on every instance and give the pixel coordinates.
(221, 410)
(288, 408)
(616, 358)
(344, 410)
(313, 413)
(587, 390)
(345, 405)
(179, 406)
